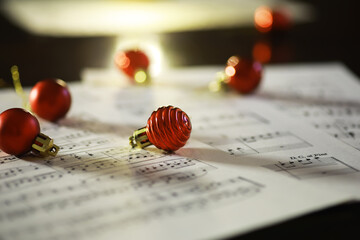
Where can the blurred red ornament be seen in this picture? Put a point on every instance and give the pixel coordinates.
(20, 133)
(167, 128)
(281, 20)
(243, 75)
(50, 99)
(267, 19)
(134, 63)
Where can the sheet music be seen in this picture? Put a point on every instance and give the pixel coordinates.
(326, 97)
(234, 175)
(265, 125)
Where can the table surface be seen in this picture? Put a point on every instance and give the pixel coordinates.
(330, 37)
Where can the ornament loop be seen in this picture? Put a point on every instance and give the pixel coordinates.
(139, 138)
(18, 87)
(45, 146)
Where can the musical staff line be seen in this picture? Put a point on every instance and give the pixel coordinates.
(261, 143)
(312, 167)
(200, 196)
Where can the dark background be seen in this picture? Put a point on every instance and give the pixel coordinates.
(332, 36)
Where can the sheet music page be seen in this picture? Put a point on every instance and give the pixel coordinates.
(277, 118)
(228, 179)
(325, 96)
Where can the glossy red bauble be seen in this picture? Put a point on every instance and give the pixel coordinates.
(243, 75)
(50, 99)
(131, 61)
(18, 131)
(168, 128)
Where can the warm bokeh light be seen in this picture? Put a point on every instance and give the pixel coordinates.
(262, 52)
(214, 86)
(140, 76)
(233, 61)
(276, 19)
(217, 84)
(122, 60)
(263, 19)
(230, 71)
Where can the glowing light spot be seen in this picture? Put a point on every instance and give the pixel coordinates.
(262, 52)
(214, 86)
(233, 61)
(121, 60)
(230, 71)
(263, 19)
(140, 76)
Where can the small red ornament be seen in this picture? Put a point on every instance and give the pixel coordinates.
(281, 20)
(243, 75)
(168, 128)
(134, 63)
(20, 133)
(267, 19)
(50, 99)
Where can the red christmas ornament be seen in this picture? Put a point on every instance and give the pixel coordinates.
(168, 128)
(20, 133)
(281, 20)
(243, 75)
(50, 99)
(134, 63)
(267, 19)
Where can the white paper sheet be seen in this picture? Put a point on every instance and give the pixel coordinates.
(228, 179)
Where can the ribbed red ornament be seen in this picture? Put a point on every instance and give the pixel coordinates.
(167, 128)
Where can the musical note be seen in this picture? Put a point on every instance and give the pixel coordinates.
(312, 167)
(345, 130)
(261, 143)
(11, 172)
(202, 195)
(97, 182)
(23, 182)
(7, 159)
